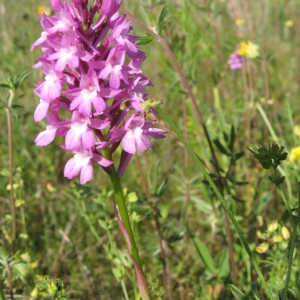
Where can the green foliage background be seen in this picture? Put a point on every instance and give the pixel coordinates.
(69, 232)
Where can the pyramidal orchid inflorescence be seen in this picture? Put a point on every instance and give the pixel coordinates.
(93, 92)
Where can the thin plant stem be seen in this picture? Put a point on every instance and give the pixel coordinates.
(295, 222)
(166, 278)
(143, 178)
(267, 122)
(124, 290)
(91, 226)
(120, 200)
(10, 279)
(230, 249)
(214, 26)
(285, 201)
(267, 80)
(11, 169)
(222, 201)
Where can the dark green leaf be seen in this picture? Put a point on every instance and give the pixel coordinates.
(2, 295)
(16, 106)
(237, 199)
(221, 147)
(204, 254)
(224, 268)
(237, 182)
(225, 135)
(280, 180)
(145, 39)
(237, 292)
(161, 22)
(232, 139)
(162, 188)
(144, 15)
(266, 164)
(21, 78)
(6, 85)
(283, 156)
(238, 155)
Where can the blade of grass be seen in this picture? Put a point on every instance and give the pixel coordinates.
(220, 198)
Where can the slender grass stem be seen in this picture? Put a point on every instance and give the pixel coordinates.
(124, 290)
(222, 200)
(295, 222)
(267, 122)
(10, 278)
(166, 277)
(11, 169)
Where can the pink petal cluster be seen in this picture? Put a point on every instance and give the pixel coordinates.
(93, 88)
(235, 61)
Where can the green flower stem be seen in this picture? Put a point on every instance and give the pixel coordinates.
(11, 168)
(120, 200)
(221, 199)
(295, 222)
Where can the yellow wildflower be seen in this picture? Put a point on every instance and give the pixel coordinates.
(242, 50)
(239, 22)
(277, 238)
(297, 130)
(262, 248)
(252, 50)
(289, 23)
(248, 49)
(272, 227)
(295, 153)
(285, 233)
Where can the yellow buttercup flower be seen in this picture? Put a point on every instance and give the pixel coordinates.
(295, 153)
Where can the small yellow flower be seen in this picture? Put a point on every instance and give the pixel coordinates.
(289, 23)
(132, 197)
(295, 153)
(43, 9)
(239, 22)
(248, 49)
(272, 227)
(262, 248)
(252, 50)
(297, 130)
(242, 50)
(285, 233)
(277, 238)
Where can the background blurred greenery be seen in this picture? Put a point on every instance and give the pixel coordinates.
(68, 231)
